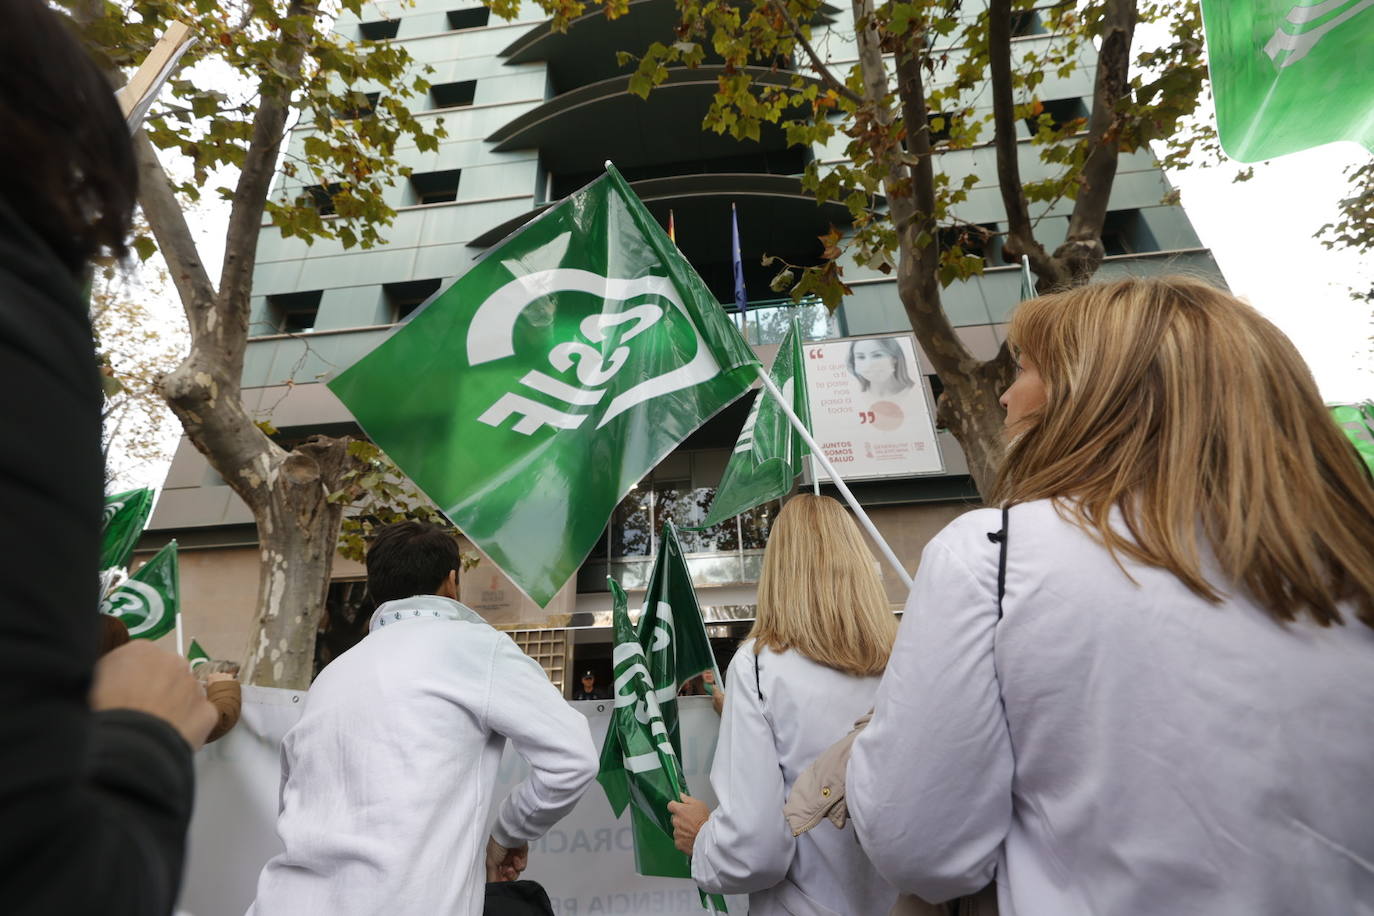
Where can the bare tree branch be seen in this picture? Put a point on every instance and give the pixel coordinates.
(821, 68)
(174, 239)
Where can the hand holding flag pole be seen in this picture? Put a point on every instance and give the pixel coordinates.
(835, 478)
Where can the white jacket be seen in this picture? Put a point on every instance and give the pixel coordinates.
(1114, 748)
(388, 777)
(746, 846)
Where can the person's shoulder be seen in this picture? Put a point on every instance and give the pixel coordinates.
(973, 527)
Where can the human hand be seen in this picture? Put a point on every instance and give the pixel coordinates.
(506, 864)
(214, 676)
(718, 701)
(688, 816)
(143, 677)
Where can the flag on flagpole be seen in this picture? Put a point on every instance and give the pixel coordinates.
(640, 767)
(137, 97)
(530, 397)
(1357, 421)
(197, 655)
(768, 455)
(122, 522)
(741, 299)
(1285, 74)
(672, 228)
(147, 601)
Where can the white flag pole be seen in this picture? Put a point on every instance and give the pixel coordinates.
(819, 456)
(181, 641)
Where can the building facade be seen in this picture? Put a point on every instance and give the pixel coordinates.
(531, 115)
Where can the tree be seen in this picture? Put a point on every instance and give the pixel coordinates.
(291, 65)
(903, 209)
(1354, 227)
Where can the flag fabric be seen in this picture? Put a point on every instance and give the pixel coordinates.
(147, 601)
(1285, 74)
(531, 396)
(122, 522)
(1357, 421)
(640, 767)
(671, 631)
(768, 456)
(1027, 281)
(197, 655)
(741, 299)
(672, 228)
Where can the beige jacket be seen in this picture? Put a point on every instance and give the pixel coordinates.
(819, 795)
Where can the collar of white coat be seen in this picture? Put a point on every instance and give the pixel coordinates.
(421, 607)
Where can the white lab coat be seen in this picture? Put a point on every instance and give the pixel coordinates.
(388, 777)
(746, 847)
(1114, 748)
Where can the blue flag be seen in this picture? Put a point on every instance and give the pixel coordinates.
(741, 300)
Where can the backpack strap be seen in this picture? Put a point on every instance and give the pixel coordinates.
(1000, 538)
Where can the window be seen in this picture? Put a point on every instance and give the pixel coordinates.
(977, 239)
(1126, 232)
(404, 298)
(321, 197)
(1025, 23)
(940, 123)
(294, 313)
(380, 30)
(1062, 113)
(435, 187)
(472, 18)
(453, 95)
(363, 104)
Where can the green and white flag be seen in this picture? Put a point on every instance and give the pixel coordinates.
(530, 396)
(1288, 74)
(197, 655)
(640, 766)
(147, 601)
(768, 456)
(1357, 421)
(122, 522)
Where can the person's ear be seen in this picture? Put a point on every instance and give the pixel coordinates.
(449, 587)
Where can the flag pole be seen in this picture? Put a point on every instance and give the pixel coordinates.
(181, 642)
(819, 456)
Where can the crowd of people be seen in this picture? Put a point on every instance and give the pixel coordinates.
(1139, 683)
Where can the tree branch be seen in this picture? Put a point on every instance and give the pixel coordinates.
(174, 239)
(821, 68)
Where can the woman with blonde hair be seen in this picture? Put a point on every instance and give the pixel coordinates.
(1146, 685)
(808, 670)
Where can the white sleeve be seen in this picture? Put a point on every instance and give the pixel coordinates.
(554, 739)
(929, 780)
(745, 846)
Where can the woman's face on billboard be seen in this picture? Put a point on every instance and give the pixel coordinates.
(873, 363)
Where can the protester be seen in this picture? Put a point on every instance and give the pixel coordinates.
(589, 689)
(113, 634)
(809, 668)
(95, 759)
(1170, 710)
(390, 772)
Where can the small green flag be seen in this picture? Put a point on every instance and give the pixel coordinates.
(1357, 421)
(122, 522)
(533, 394)
(768, 456)
(147, 601)
(640, 767)
(196, 655)
(1287, 75)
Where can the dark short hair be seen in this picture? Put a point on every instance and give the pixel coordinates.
(410, 558)
(64, 148)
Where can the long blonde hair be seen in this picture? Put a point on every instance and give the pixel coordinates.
(1196, 417)
(819, 592)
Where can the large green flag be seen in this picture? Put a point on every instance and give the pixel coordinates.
(122, 523)
(640, 765)
(529, 397)
(1287, 74)
(768, 456)
(147, 601)
(1357, 420)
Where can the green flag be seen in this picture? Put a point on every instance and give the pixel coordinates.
(671, 630)
(1357, 420)
(122, 523)
(197, 655)
(529, 397)
(768, 456)
(1287, 74)
(147, 601)
(640, 766)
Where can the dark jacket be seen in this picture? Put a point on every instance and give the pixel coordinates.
(93, 807)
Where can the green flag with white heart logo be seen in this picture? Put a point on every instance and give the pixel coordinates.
(528, 398)
(146, 602)
(122, 524)
(1286, 74)
(1357, 422)
(768, 456)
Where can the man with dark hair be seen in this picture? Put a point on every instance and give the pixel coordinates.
(389, 775)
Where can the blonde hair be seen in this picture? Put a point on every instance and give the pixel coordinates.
(819, 592)
(1196, 417)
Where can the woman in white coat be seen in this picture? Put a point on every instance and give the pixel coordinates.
(808, 670)
(1167, 706)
